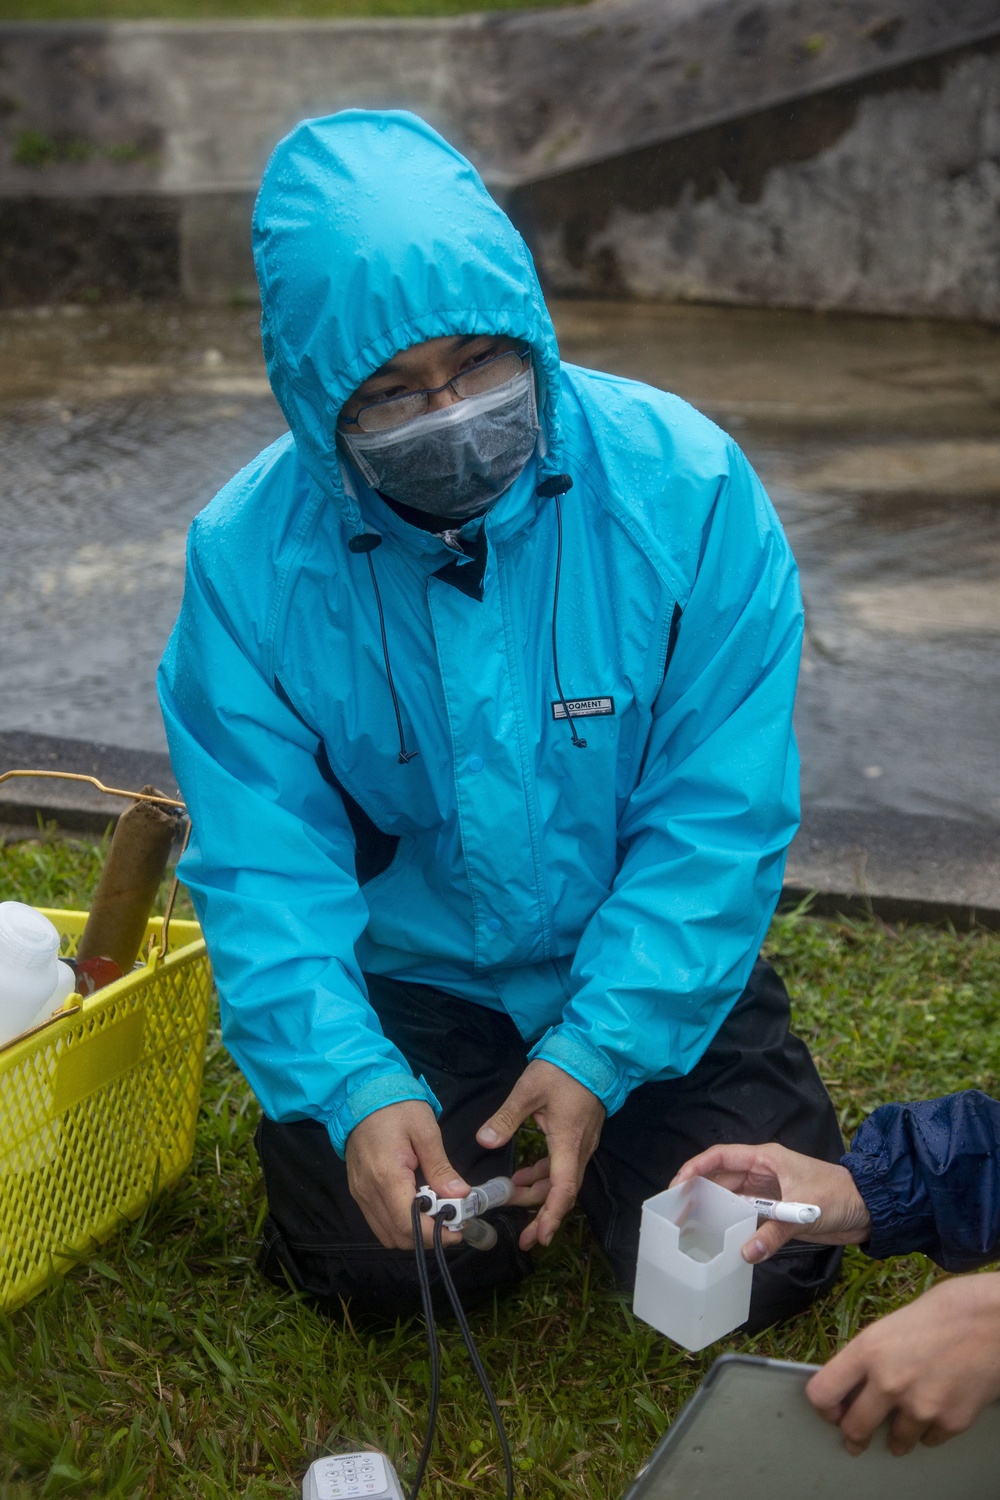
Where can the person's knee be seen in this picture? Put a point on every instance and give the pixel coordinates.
(374, 1281)
(383, 1285)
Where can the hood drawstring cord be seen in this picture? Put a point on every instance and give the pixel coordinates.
(366, 543)
(551, 488)
(554, 488)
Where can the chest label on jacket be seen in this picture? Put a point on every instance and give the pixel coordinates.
(583, 708)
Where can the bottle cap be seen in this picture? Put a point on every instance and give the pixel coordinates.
(27, 938)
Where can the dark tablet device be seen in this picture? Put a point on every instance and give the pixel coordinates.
(748, 1433)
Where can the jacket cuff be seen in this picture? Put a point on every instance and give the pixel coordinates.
(388, 1088)
(564, 1046)
(895, 1229)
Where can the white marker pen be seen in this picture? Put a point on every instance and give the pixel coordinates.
(785, 1213)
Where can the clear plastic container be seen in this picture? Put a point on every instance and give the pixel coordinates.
(692, 1282)
(33, 980)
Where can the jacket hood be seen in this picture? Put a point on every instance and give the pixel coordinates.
(371, 234)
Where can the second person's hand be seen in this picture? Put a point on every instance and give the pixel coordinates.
(929, 1367)
(775, 1172)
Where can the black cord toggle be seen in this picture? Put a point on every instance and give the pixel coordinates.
(556, 484)
(364, 541)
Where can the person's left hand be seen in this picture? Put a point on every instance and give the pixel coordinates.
(571, 1118)
(934, 1363)
(773, 1171)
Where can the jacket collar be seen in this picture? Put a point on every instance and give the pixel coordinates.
(513, 514)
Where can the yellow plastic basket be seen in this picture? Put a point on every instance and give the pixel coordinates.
(98, 1108)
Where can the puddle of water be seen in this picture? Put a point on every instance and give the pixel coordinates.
(879, 442)
(909, 470)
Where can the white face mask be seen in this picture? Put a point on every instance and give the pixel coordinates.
(457, 461)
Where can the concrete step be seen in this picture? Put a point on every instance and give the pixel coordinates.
(900, 866)
(74, 806)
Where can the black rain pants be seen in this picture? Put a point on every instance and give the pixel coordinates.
(756, 1083)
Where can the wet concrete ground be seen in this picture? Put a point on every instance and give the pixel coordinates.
(878, 440)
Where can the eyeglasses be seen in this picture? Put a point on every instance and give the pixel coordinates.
(486, 376)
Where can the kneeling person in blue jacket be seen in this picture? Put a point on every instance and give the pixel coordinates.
(480, 699)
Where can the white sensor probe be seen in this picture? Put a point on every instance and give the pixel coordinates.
(785, 1213)
(464, 1213)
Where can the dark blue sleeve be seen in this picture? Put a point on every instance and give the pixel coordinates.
(930, 1176)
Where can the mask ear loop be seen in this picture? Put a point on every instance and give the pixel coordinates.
(365, 467)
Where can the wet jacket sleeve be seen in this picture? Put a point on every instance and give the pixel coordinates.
(272, 875)
(706, 830)
(930, 1176)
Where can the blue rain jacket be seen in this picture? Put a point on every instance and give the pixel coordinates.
(611, 899)
(930, 1176)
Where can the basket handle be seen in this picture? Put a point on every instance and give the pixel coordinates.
(109, 791)
(114, 791)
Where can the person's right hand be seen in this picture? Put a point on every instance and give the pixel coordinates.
(775, 1172)
(930, 1366)
(383, 1154)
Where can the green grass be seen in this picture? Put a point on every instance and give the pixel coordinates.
(274, 10)
(164, 1367)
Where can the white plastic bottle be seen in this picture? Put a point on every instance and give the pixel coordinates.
(33, 980)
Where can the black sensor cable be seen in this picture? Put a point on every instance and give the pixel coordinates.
(432, 1339)
(432, 1336)
(470, 1344)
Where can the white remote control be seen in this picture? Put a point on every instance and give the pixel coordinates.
(350, 1476)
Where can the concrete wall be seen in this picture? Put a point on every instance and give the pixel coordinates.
(882, 196)
(706, 148)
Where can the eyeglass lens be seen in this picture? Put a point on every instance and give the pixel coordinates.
(494, 372)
